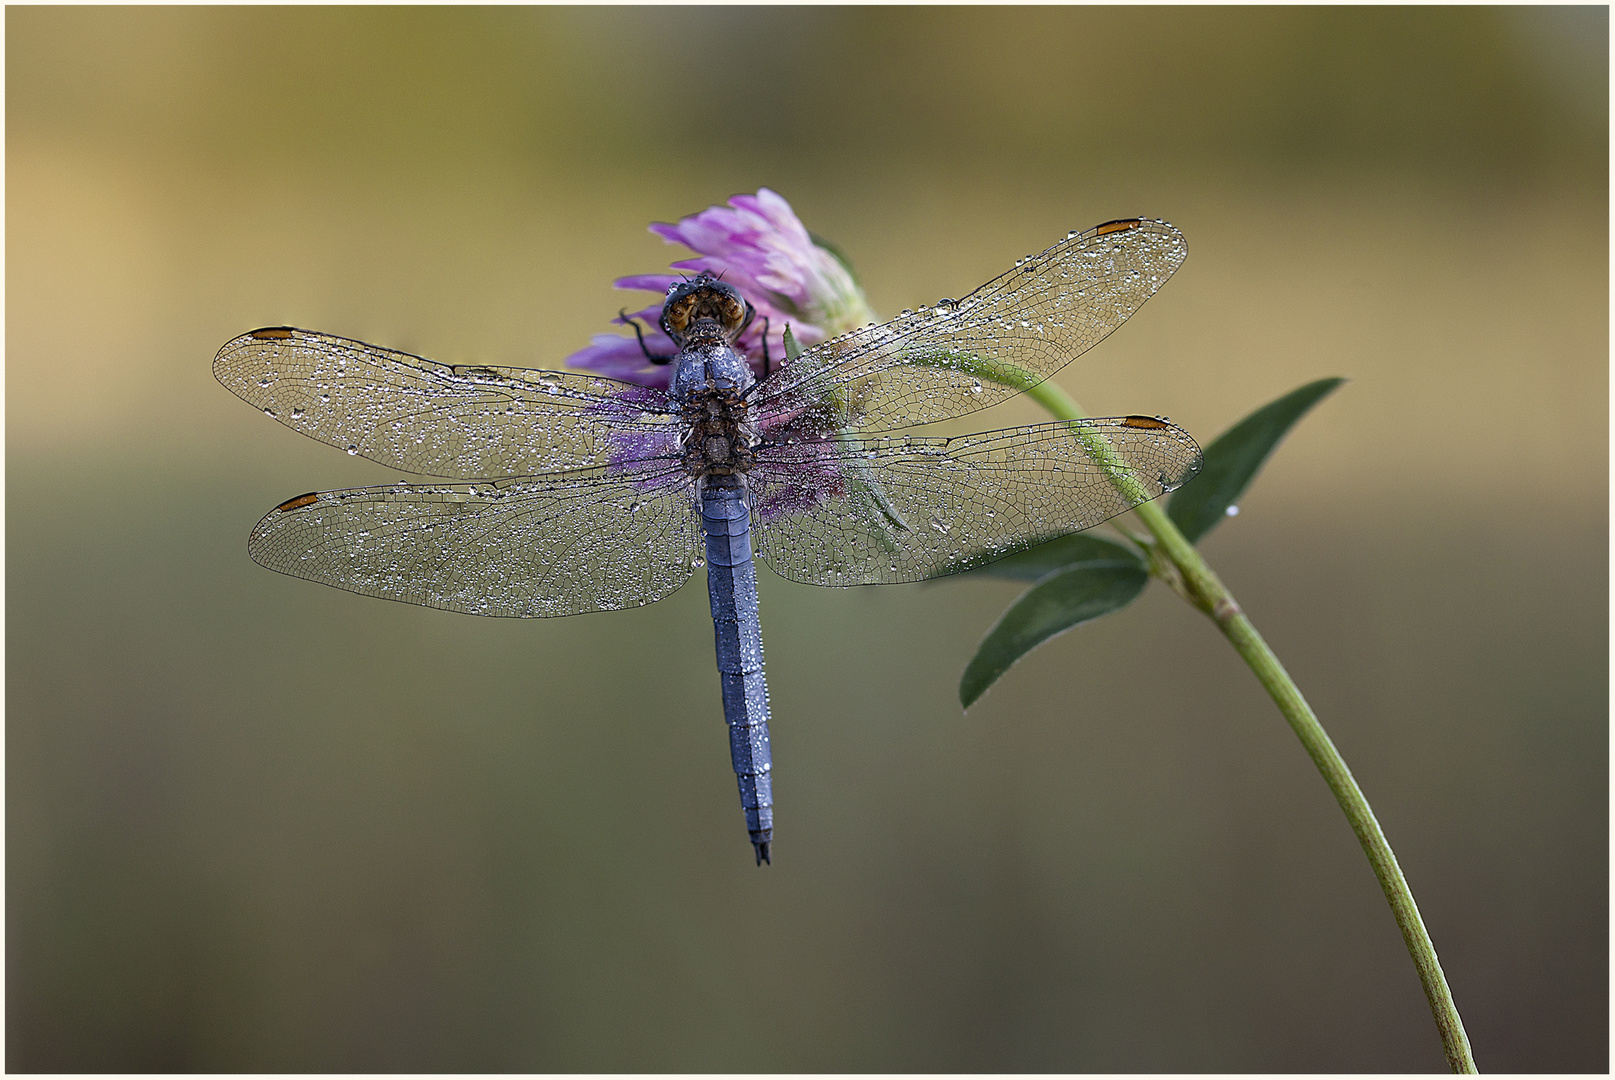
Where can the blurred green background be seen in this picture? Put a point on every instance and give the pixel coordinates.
(256, 824)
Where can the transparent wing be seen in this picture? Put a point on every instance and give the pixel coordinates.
(561, 544)
(959, 356)
(438, 419)
(856, 511)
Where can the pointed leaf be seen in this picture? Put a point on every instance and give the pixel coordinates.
(1234, 459)
(1056, 554)
(1064, 599)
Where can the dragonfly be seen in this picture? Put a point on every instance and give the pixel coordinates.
(556, 493)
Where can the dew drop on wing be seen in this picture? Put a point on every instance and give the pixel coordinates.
(352, 450)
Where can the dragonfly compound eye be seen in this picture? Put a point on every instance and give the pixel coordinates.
(703, 299)
(676, 316)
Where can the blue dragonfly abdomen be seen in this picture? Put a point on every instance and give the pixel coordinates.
(738, 631)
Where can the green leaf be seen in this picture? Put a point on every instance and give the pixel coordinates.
(1064, 599)
(1234, 459)
(1052, 555)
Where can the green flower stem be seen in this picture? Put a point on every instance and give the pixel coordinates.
(1177, 562)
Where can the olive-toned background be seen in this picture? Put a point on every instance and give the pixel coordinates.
(257, 824)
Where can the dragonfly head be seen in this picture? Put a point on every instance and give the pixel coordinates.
(705, 309)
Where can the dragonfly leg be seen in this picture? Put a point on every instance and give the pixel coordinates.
(652, 357)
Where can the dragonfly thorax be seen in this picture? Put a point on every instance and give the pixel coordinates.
(718, 437)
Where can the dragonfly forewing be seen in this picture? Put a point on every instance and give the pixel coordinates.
(956, 357)
(872, 511)
(420, 416)
(561, 544)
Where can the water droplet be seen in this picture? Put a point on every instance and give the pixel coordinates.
(325, 399)
(698, 562)
(352, 449)
(297, 414)
(975, 388)
(1232, 511)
